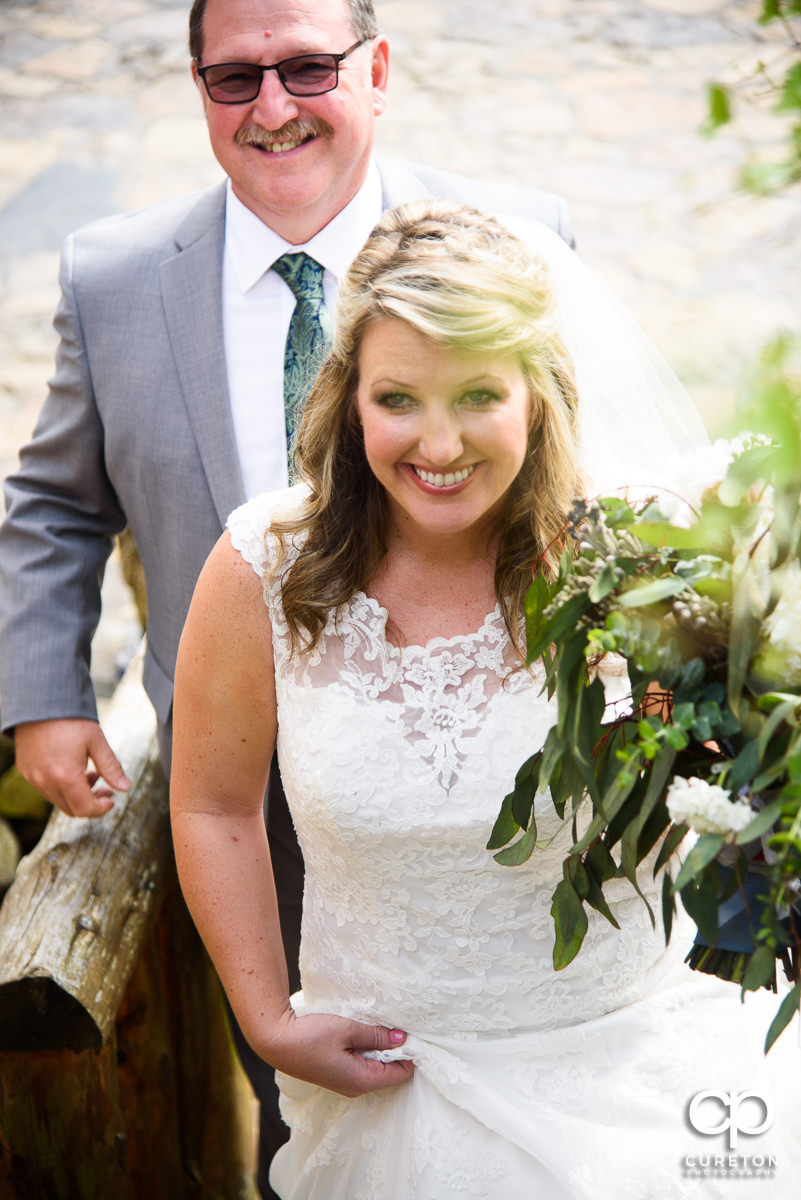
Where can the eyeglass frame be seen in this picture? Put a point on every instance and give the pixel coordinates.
(277, 67)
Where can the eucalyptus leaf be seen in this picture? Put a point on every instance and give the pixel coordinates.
(618, 511)
(709, 709)
(537, 598)
(593, 830)
(716, 589)
(616, 795)
(701, 902)
(662, 533)
(661, 768)
(523, 800)
(518, 853)
(684, 715)
(505, 826)
(761, 969)
(762, 822)
(603, 584)
(577, 874)
(703, 852)
(570, 922)
(596, 898)
(587, 717)
(782, 711)
(527, 769)
(653, 831)
(787, 1010)
(668, 905)
(744, 766)
(628, 852)
(629, 863)
(563, 620)
(673, 839)
(702, 729)
(652, 593)
(599, 862)
(693, 673)
(747, 606)
(676, 738)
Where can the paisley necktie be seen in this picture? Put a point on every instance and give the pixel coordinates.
(309, 338)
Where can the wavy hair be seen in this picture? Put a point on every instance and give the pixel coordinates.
(463, 280)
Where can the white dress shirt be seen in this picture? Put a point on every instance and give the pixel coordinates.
(257, 308)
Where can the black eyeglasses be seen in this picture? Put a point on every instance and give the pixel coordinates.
(306, 75)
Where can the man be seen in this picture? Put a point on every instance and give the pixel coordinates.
(167, 407)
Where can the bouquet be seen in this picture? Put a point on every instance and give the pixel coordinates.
(702, 602)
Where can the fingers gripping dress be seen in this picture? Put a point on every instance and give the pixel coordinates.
(529, 1083)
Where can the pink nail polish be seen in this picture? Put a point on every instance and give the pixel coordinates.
(397, 1036)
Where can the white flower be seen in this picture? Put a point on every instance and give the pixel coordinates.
(705, 807)
(780, 657)
(697, 472)
(702, 469)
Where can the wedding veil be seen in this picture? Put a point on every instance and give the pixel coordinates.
(637, 422)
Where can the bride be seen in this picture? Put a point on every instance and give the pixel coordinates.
(371, 618)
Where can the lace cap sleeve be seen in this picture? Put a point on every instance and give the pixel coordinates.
(249, 524)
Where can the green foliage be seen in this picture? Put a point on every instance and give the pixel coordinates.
(715, 698)
(787, 1010)
(785, 90)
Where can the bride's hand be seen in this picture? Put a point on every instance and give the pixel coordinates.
(327, 1050)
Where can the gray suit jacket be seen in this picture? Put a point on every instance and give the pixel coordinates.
(137, 429)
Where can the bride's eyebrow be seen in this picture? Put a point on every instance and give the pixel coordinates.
(395, 384)
(475, 381)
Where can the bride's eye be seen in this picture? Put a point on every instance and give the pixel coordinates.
(395, 401)
(481, 398)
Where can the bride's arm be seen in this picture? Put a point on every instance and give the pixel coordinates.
(224, 736)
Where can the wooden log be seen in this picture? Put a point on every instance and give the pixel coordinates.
(62, 1134)
(118, 1075)
(162, 1110)
(133, 573)
(73, 924)
(214, 1099)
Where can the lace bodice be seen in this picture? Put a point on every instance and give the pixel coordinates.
(395, 762)
(569, 1084)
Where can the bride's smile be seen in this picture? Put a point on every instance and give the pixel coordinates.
(445, 429)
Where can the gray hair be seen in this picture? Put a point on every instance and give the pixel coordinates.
(360, 13)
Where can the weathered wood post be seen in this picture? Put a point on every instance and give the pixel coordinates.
(118, 1078)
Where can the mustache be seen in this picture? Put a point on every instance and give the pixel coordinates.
(299, 129)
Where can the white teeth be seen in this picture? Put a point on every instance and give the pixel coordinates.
(437, 480)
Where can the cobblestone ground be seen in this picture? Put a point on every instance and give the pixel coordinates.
(600, 100)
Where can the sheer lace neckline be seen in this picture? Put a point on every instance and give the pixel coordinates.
(492, 623)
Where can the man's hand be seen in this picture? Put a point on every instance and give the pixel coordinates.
(64, 759)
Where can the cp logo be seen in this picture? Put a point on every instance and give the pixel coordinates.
(730, 1103)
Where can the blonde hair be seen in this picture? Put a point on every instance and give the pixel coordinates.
(463, 280)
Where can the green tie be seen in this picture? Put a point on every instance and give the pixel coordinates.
(309, 338)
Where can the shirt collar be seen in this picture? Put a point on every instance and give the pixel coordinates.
(252, 247)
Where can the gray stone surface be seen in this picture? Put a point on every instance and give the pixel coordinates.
(600, 100)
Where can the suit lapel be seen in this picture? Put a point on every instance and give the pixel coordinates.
(399, 184)
(191, 288)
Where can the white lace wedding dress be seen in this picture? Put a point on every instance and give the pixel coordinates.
(530, 1084)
